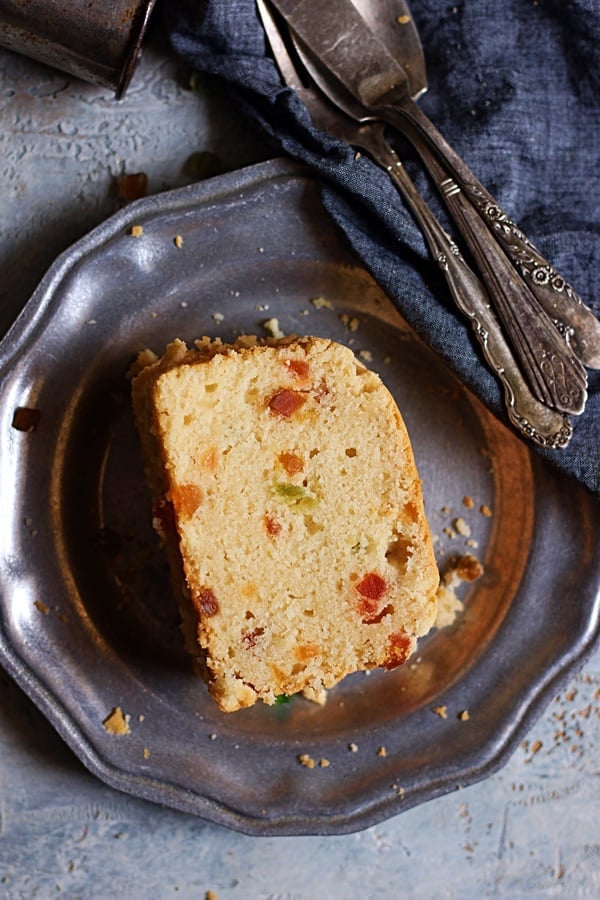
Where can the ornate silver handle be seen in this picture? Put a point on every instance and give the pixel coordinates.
(537, 421)
(555, 375)
(572, 317)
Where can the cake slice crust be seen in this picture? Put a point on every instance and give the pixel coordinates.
(296, 514)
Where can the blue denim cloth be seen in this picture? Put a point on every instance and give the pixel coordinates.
(514, 87)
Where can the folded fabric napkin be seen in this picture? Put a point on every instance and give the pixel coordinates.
(513, 86)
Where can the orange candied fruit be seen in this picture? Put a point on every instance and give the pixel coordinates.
(285, 402)
(299, 367)
(372, 586)
(205, 602)
(398, 649)
(291, 462)
(272, 525)
(186, 499)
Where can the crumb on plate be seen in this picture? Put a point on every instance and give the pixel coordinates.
(116, 722)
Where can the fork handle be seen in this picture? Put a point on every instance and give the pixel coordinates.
(536, 421)
(554, 373)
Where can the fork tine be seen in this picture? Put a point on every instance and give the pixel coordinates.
(280, 52)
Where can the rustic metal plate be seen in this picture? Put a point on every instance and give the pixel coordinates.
(87, 620)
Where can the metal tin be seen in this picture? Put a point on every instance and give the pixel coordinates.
(98, 42)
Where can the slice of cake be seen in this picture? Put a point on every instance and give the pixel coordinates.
(286, 490)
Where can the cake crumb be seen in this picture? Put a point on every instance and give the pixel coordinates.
(462, 527)
(461, 568)
(211, 895)
(382, 751)
(41, 606)
(353, 748)
(213, 736)
(351, 322)
(178, 241)
(441, 711)
(321, 303)
(136, 231)
(116, 722)
(468, 502)
(272, 327)
(366, 355)
(323, 762)
(315, 695)
(468, 568)
(218, 317)
(464, 715)
(146, 753)
(485, 511)
(305, 760)
(449, 605)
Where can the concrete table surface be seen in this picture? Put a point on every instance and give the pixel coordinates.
(531, 830)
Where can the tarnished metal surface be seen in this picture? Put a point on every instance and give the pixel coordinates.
(98, 42)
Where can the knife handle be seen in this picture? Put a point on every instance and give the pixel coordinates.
(538, 422)
(554, 373)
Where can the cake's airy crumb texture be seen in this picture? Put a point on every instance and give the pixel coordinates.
(286, 490)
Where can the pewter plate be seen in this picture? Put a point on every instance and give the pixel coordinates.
(87, 619)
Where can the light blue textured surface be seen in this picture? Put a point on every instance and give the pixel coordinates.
(532, 830)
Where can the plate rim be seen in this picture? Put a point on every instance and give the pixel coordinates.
(20, 334)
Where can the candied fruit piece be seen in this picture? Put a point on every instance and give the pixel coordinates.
(285, 402)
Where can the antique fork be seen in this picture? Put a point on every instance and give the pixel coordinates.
(535, 420)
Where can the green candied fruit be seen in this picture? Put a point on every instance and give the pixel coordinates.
(293, 494)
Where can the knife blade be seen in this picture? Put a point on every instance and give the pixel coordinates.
(400, 36)
(349, 49)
